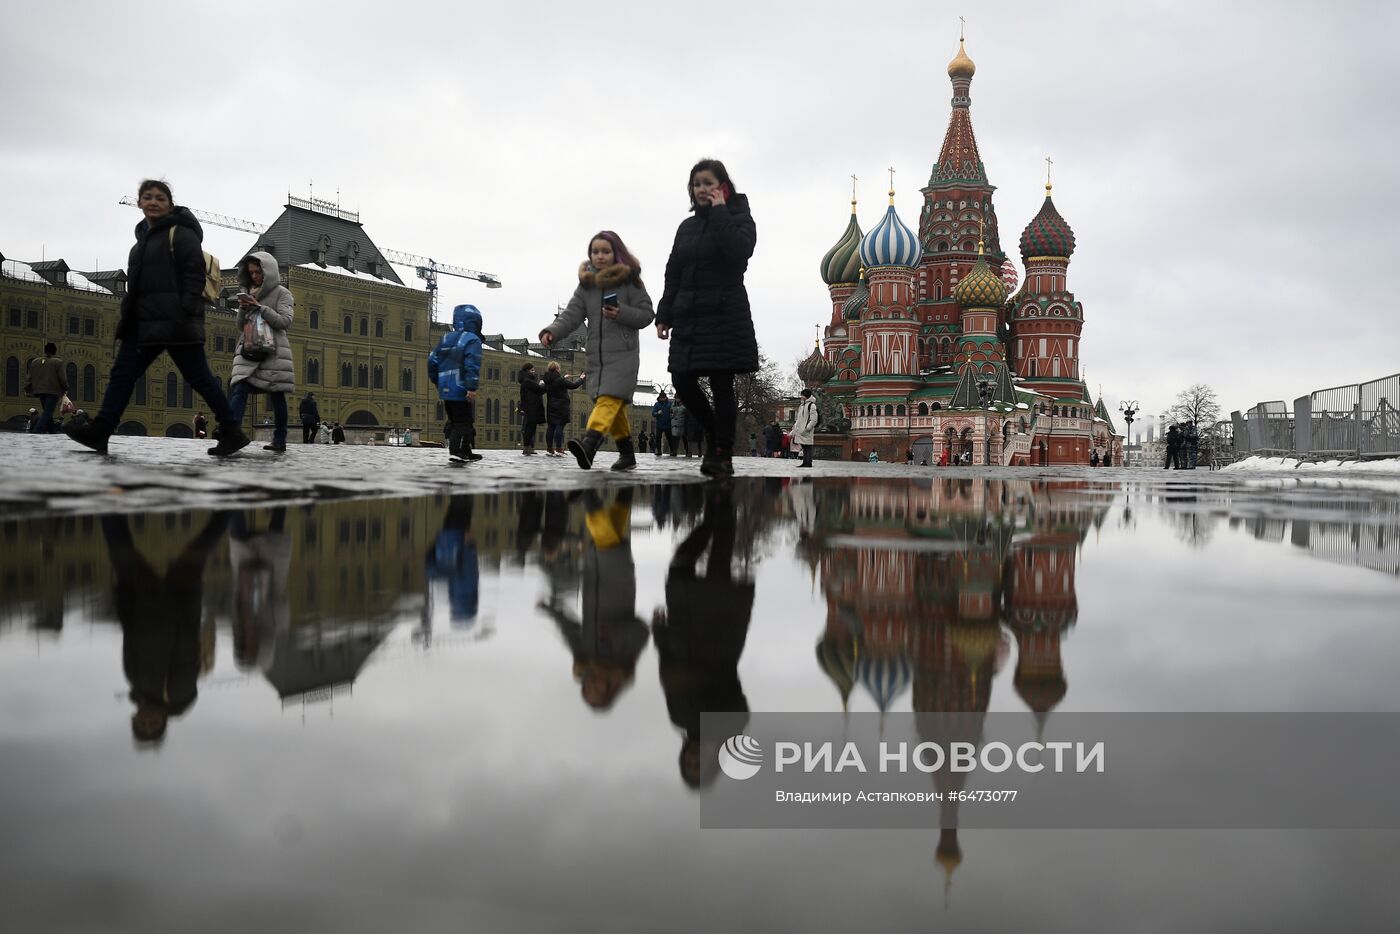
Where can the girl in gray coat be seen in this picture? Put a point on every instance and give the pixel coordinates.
(274, 374)
(611, 298)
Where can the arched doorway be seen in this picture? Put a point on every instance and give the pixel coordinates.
(179, 430)
(964, 449)
(132, 429)
(923, 451)
(361, 419)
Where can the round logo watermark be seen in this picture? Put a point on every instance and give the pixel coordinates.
(741, 757)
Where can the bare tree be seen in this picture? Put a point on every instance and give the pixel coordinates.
(759, 395)
(1196, 404)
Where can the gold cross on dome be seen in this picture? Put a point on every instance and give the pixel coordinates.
(962, 28)
(853, 191)
(891, 171)
(1048, 163)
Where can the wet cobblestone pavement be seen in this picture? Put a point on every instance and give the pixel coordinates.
(355, 688)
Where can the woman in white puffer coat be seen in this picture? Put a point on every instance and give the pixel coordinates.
(275, 374)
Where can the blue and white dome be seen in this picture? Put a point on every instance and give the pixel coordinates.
(890, 243)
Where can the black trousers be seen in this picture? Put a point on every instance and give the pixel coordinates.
(131, 364)
(308, 432)
(527, 435)
(462, 415)
(718, 421)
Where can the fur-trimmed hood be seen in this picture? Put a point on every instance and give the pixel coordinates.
(613, 276)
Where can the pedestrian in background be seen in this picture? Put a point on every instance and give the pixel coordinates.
(310, 418)
(661, 411)
(804, 426)
(454, 367)
(704, 310)
(613, 301)
(557, 407)
(679, 419)
(531, 406)
(46, 380)
(262, 369)
(162, 312)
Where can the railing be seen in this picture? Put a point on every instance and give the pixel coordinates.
(1358, 420)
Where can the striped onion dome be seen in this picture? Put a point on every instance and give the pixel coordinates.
(890, 243)
(1009, 276)
(980, 288)
(816, 369)
(1047, 234)
(858, 300)
(842, 262)
(838, 660)
(885, 677)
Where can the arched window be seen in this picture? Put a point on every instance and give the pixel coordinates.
(349, 325)
(347, 374)
(942, 246)
(937, 406)
(406, 380)
(313, 370)
(379, 327)
(11, 376)
(378, 377)
(172, 389)
(889, 410)
(89, 383)
(1030, 367)
(140, 397)
(938, 291)
(969, 247)
(315, 318)
(187, 396)
(71, 372)
(899, 410)
(362, 376)
(407, 331)
(923, 408)
(364, 327)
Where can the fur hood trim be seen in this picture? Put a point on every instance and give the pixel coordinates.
(614, 275)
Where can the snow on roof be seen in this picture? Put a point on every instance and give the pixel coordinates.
(363, 275)
(14, 269)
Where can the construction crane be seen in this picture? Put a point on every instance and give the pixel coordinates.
(428, 269)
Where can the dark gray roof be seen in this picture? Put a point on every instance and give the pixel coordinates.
(300, 235)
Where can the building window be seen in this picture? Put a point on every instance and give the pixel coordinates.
(315, 318)
(406, 380)
(218, 339)
(347, 374)
(15, 317)
(364, 327)
(172, 389)
(72, 324)
(313, 371)
(89, 383)
(362, 376)
(32, 319)
(407, 331)
(408, 411)
(349, 326)
(140, 396)
(89, 327)
(188, 396)
(379, 377)
(379, 327)
(70, 372)
(923, 408)
(12, 373)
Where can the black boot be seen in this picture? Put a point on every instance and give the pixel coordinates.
(231, 440)
(586, 448)
(718, 462)
(626, 455)
(92, 435)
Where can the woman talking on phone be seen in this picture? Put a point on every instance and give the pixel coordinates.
(612, 299)
(704, 310)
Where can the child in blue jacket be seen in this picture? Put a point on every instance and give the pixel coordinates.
(454, 366)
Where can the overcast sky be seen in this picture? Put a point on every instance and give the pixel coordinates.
(1228, 168)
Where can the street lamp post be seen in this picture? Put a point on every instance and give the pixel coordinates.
(1129, 408)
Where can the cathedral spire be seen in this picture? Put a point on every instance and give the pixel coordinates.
(959, 160)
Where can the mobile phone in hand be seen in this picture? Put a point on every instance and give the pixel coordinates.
(610, 300)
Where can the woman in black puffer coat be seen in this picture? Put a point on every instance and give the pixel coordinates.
(162, 312)
(531, 406)
(556, 409)
(705, 309)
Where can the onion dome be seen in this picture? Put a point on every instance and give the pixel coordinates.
(980, 288)
(961, 66)
(890, 243)
(816, 369)
(885, 677)
(858, 300)
(838, 660)
(842, 262)
(1047, 234)
(1009, 276)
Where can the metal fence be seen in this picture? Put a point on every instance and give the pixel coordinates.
(1359, 420)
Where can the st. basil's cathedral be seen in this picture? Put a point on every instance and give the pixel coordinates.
(926, 352)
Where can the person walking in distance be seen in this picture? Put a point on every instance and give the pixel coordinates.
(201, 426)
(46, 380)
(680, 424)
(704, 310)
(804, 426)
(557, 407)
(611, 298)
(661, 411)
(310, 418)
(1174, 439)
(261, 369)
(454, 366)
(531, 406)
(162, 312)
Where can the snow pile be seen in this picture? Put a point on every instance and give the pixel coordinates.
(1389, 465)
